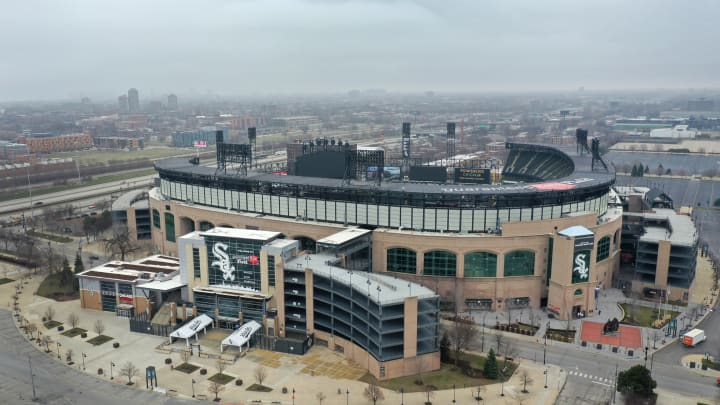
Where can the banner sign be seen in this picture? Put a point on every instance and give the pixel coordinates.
(581, 267)
(200, 144)
(584, 243)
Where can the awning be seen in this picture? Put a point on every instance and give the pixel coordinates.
(241, 335)
(191, 328)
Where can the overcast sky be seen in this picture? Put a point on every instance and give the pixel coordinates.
(69, 48)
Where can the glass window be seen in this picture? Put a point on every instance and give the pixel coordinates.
(271, 270)
(439, 263)
(480, 264)
(169, 227)
(401, 260)
(519, 263)
(603, 249)
(196, 262)
(206, 226)
(156, 218)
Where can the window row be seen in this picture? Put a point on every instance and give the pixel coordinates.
(477, 264)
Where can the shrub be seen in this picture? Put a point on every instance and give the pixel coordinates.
(168, 360)
(238, 382)
(203, 371)
(61, 328)
(284, 390)
(83, 335)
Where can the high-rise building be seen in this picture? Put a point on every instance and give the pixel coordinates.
(133, 100)
(123, 104)
(172, 102)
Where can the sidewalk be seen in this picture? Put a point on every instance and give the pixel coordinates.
(304, 374)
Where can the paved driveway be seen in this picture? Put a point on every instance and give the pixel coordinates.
(54, 382)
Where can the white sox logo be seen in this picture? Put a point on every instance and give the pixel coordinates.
(223, 262)
(581, 268)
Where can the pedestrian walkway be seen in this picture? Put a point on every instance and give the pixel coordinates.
(591, 377)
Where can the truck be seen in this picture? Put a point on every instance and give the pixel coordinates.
(693, 337)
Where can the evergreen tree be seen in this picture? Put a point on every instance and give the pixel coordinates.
(647, 169)
(66, 275)
(634, 171)
(79, 266)
(491, 366)
(445, 348)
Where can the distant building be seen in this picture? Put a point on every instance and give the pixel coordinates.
(185, 139)
(48, 143)
(123, 104)
(172, 102)
(676, 132)
(119, 142)
(295, 122)
(133, 101)
(10, 151)
(701, 104)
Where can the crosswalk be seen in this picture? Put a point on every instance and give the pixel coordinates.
(594, 378)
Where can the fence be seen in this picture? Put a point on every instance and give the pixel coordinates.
(141, 324)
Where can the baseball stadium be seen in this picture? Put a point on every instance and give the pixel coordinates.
(427, 237)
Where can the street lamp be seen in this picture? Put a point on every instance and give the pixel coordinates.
(546, 374)
(32, 380)
(293, 396)
(193, 387)
(347, 396)
(402, 396)
(58, 348)
(111, 367)
(453, 393)
(83, 360)
(545, 344)
(482, 342)
(646, 351)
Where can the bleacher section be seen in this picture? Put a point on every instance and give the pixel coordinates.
(536, 163)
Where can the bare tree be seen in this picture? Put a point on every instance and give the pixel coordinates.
(509, 352)
(73, 319)
(128, 370)
(46, 341)
(498, 340)
(31, 329)
(260, 374)
(373, 393)
(49, 313)
(215, 389)
(99, 327)
(120, 243)
(526, 380)
(320, 397)
(462, 333)
(220, 365)
(185, 355)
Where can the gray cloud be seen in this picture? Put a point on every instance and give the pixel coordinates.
(68, 48)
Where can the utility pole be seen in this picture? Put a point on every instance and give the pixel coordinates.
(32, 379)
(615, 385)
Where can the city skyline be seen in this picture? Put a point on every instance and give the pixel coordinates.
(284, 47)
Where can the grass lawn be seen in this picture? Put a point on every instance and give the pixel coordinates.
(186, 368)
(100, 339)
(442, 379)
(221, 378)
(73, 332)
(645, 316)
(52, 288)
(49, 236)
(104, 156)
(259, 388)
(52, 324)
(5, 280)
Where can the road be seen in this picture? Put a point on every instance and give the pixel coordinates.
(56, 383)
(591, 375)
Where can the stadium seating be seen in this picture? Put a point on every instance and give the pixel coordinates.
(536, 163)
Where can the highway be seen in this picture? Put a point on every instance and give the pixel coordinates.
(56, 383)
(61, 197)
